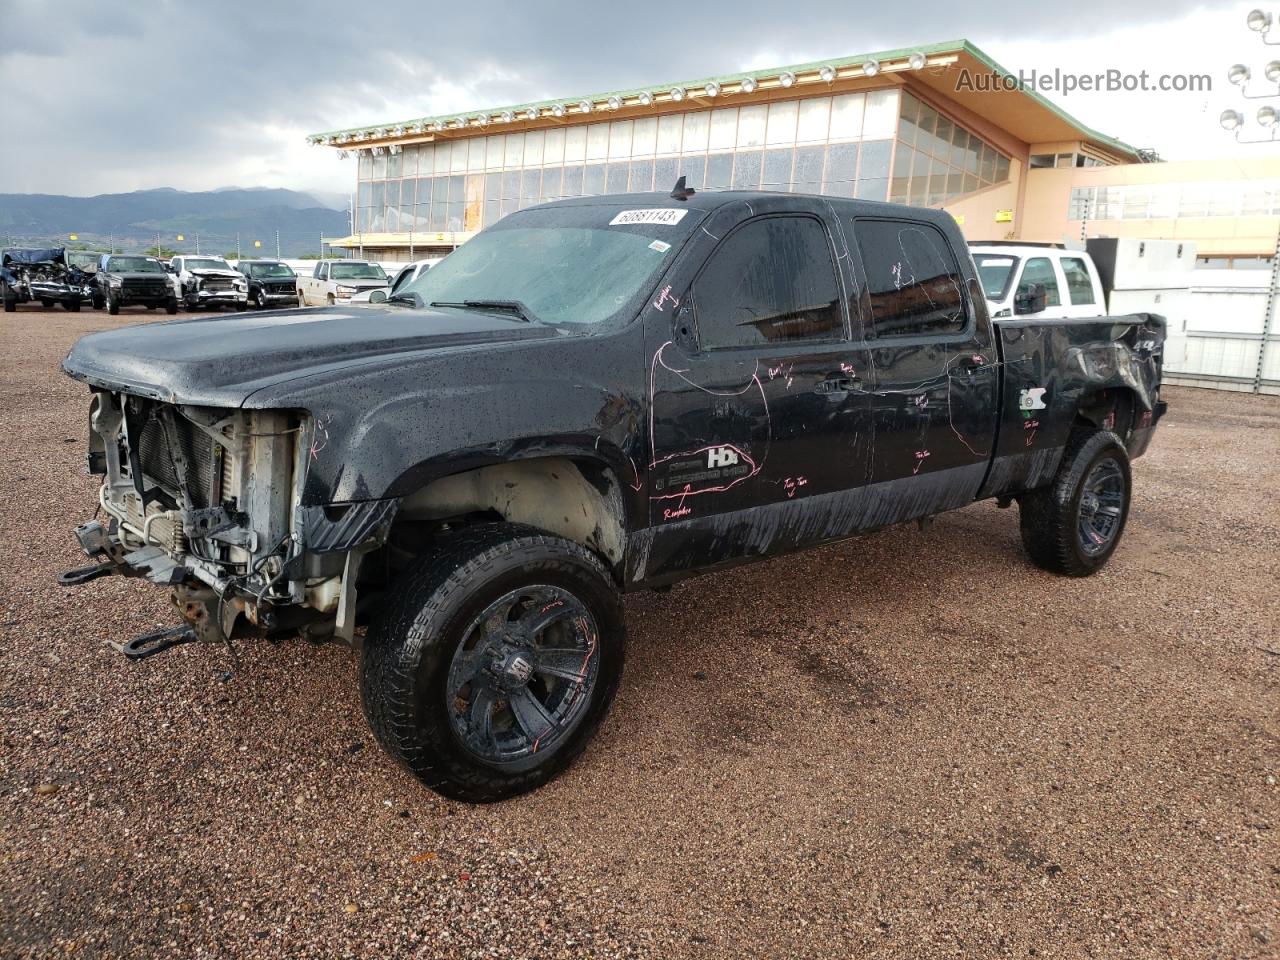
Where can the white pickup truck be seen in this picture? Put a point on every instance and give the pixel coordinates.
(337, 281)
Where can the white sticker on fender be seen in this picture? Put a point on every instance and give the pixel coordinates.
(663, 215)
(1032, 399)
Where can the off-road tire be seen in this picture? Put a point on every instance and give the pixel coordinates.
(72, 305)
(113, 305)
(171, 306)
(47, 303)
(1050, 517)
(260, 300)
(98, 301)
(411, 644)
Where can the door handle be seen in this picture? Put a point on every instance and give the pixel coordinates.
(833, 386)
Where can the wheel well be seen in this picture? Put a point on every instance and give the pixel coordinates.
(1111, 409)
(578, 499)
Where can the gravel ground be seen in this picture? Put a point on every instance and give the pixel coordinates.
(913, 744)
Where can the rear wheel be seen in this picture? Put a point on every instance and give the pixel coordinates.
(98, 301)
(331, 300)
(494, 662)
(1074, 525)
(72, 305)
(10, 298)
(46, 303)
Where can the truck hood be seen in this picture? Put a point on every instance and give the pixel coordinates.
(217, 273)
(221, 361)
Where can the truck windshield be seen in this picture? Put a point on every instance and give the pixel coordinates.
(135, 265)
(356, 271)
(270, 270)
(995, 270)
(573, 265)
(206, 263)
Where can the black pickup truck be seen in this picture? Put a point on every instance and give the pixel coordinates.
(590, 397)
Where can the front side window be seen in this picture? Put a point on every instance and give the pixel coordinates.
(913, 279)
(770, 281)
(205, 263)
(1040, 270)
(996, 272)
(135, 265)
(265, 270)
(1079, 283)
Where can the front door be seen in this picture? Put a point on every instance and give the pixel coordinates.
(759, 432)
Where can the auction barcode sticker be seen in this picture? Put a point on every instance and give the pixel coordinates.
(663, 215)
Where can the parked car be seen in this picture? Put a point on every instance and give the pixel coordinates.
(43, 275)
(594, 396)
(337, 281)
(209, 282)
(126, 280)
(272, 283)
(403, 277)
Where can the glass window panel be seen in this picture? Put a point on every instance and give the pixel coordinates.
(898, 190)
(379, 168)
(724, 128)
(533, 142)
(875, 159)
(493, 186)
(476, 153)
(1079, 283)
(553, 149)
(919, 189)
(422, 217)
(575, 144)
(987, 169)
(615, 180)
(901, 173)
(937, 183)
(442, 157)
(511, 185)
(457, 188)
(458, 157)
(597, 141)
(364, 192)
(644, 137)
(751, 124)
(876, 189)
(840, 188)
(719, 170)
(932, 301)
(395, 162)
(814, 121)
(494, 148)
(781, 127)
(531, 185)
(392, 195)
(959, 146)
(378, 193)
(908, 124)
(842, 162)
(971, 182)
(944, 131)
(492, 212)
(509, 206)
(777, 169)
(513, 155)
(424, 189)
(572, 185)
(880, 118)
(697, 128)
(362, 219)
(365, 162)
(457, 211)
(409, 161)
(593, 179)
(1002, 168)
(972, 155)
(746, 166)
(377, 220)
(926, 123)
(620, 140)
(426, 158)
(551, 180)
(808, 167)
(642, 175)
(846, 116)
(439, 212)
(665, 172)
(1040, 270)
(408, 192)
(955, 183)
(693, 167)
(669, 132)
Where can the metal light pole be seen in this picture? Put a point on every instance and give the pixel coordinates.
(237, 246)
(277, 244)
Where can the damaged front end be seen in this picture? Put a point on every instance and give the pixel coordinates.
(207, 501)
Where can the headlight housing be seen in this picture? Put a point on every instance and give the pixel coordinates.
(348, 291)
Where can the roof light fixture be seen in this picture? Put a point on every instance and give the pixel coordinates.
(1258, 21)
(1272, 71)
(394, 149)
(377, 151)
(438, 126)
(645, 98)
(399, 131)
(827, 74)
(917, 61)
(712, 89)
(614, 102)
(871, 68)
(558, 110)
(1267, 116)
(585, 106)
(678, 93)
(748, 85)
(506, 116)
(787, 78)
(342, 154)
(531, 114)
(1230, 119)
(1239, 74)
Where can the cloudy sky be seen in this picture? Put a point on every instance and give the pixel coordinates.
(115, 97)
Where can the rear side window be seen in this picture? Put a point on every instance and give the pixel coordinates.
(770, 281)
(1040, 270)
(913, 279)
(1079, 283)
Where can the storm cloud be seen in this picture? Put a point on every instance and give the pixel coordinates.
(107, 97)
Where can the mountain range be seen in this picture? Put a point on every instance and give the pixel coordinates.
(132, 220)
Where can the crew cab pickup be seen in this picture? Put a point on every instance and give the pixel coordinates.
(125, 280)
(337, 281)
(592, 396)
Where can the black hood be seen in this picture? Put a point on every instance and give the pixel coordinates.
(221, 361)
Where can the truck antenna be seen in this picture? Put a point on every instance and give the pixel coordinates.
(681, 192)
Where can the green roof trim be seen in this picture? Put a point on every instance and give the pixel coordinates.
(935, 49)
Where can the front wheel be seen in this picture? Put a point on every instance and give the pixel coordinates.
(260, 300)
(171, 306)
(98, 301)
(113, 304)
(1074, 525)
(494, 661)
(46, 303)
(72, 305)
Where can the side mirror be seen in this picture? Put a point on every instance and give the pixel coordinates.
(377, 296)
(1030, 298)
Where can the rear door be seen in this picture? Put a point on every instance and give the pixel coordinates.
(758, 414)
(934, 370)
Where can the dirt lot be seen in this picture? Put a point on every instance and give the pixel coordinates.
(913, 745)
